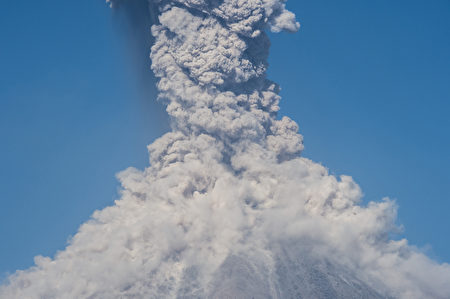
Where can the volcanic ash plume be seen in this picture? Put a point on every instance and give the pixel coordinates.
(227, 207)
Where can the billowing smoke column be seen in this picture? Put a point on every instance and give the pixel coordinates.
(227, 207)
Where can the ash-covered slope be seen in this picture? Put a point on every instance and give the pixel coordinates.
(227, 207)
(300, 275)
(303, 275)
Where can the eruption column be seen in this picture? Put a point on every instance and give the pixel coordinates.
(227, 207)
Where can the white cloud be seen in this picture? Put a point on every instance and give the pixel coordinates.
(227, 206)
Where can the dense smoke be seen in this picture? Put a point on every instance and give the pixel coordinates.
(227, 207)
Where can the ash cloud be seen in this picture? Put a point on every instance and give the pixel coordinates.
(132, 21)
(228, 208)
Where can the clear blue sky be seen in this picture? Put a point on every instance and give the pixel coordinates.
(368, 82)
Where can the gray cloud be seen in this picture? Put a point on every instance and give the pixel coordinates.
(228, 207)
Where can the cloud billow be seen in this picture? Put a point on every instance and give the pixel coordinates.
(228, 208)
